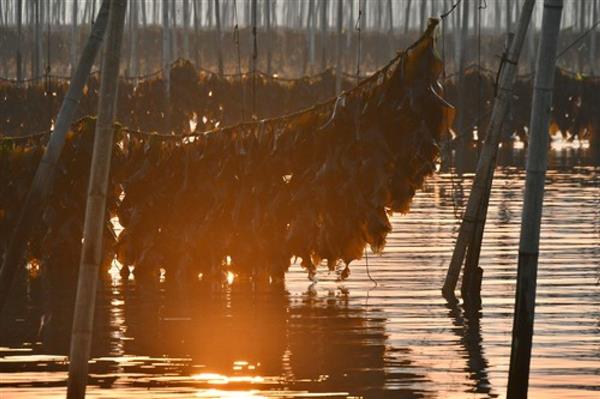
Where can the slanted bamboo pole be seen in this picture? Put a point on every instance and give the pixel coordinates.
(44, 176)
(537, 163)
(481, 187)
(91, 251)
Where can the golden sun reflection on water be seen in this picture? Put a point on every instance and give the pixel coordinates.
(220, 379)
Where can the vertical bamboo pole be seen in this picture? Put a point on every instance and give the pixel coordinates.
(218, 37)
(73, 53)
(593, 39)
(484, 175)
(407, 16)
(537, 162)
(35, 53)
(323, 34)
(91, 252)
(166, 45)
(312, 27)
(254, 55)
(267, 5)
(44, 176)
(422, 15)
(338, 47)
(135, 59)
(350, 24)
(18, 17)
(508, 15)
(363, 18)
(464, 135)
(186, 29)
(173, 31)
(197, 18)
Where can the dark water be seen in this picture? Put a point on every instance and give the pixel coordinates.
(396, 339)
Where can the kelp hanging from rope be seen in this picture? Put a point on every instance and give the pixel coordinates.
(575, 104)
(318, 185)
(202, 98)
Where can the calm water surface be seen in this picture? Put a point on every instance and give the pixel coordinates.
(397, 339)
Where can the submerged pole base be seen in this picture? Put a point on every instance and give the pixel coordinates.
(520, 355)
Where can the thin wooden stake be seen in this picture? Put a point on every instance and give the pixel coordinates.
(537, 162)
(338, 47)
(44, 176)
(218, 35)
(91, 252)
(487, 161)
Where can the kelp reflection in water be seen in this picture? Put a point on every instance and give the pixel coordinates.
(193, 338)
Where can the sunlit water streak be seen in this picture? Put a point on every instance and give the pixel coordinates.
(352, 338)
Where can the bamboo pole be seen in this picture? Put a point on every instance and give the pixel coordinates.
(197, 19)
(166, 46)
(44, 176)
(254, 55)
(186, 29)
(91, 252)
(73, 48)
(481, 187)
(338, 47)
(135, 59)
(18, 17)
(464, 136)
(407, 16)
(267, 6)
(312, 25)
(593, 39)
(173, 31)
(218, 37)
(537, 162)
(323, 4)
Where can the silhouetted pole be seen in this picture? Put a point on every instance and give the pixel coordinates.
(254, 54)
(91, 251)
(537, 162)
(73, 48)
(44, 177)
(268, 34)
(19, 15)
(464, 135)
(338, 47)
(407, 16)
(474, 214)
(218, 37)
(323, 34)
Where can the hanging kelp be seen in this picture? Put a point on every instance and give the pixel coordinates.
(318, 185)
(200, 99)
(575, 107)
(56, 240)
